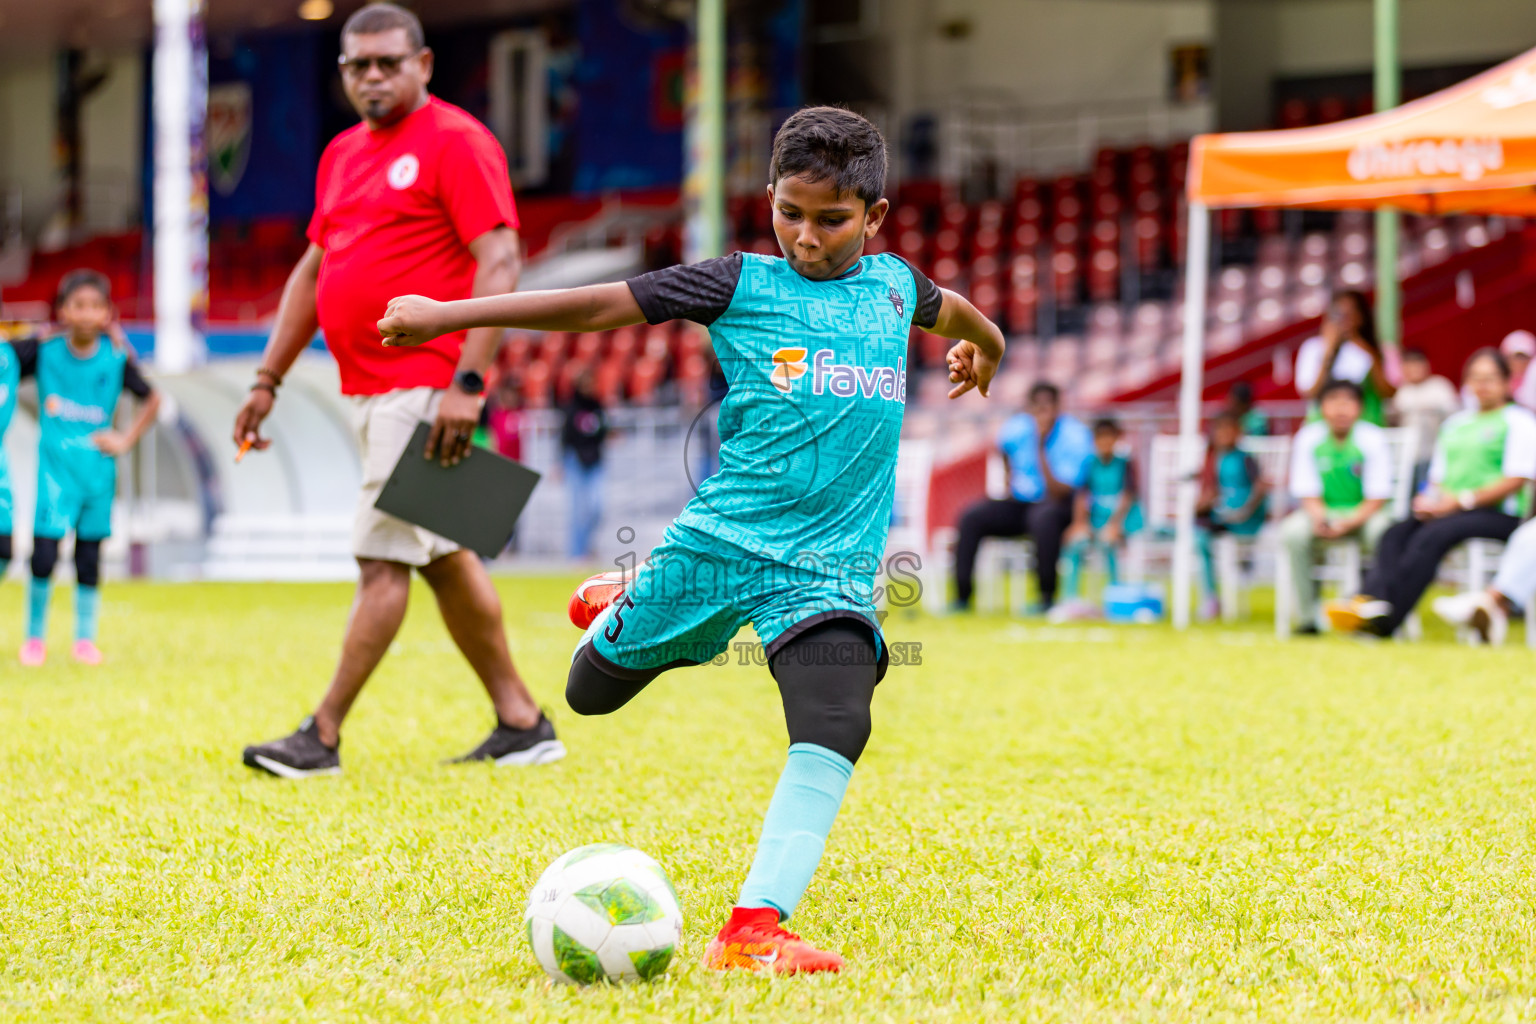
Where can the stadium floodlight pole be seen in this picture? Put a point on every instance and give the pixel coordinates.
(1389, 296)
(704, 185)
(180, 183)
(1191, 389)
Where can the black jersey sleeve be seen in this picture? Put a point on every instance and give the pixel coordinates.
(929, 298)
(700, 292)
(133, 380)
(26, 356)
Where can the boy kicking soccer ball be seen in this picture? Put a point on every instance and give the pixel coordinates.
(80, 376)
(789, 533)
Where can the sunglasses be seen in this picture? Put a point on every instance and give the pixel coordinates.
(357, 67)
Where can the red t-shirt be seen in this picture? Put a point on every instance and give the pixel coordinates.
(395, 211)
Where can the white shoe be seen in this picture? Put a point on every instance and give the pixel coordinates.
(1457, 609)
(1479, 611)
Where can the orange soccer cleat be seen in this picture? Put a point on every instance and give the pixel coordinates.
(593, 595)
(752, 940)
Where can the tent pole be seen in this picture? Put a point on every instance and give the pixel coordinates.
(1191, 389)
(1389, 299)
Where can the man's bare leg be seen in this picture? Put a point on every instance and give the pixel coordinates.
(471, 610)
(383, 591)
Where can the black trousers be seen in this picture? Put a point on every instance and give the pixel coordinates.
(826, 675)
(1044, 522)
(1409, 556)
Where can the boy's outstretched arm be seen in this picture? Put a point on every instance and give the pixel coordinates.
(972, 362)
(416, 319)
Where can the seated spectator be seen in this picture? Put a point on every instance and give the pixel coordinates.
(1341, 472)
(1519, 347)
(1421, 405)
(1483, 461)
(1240, 404)
(1047, 456)
(1345, 349)
(1488, 611)
(1233, 495)
(1106, 510)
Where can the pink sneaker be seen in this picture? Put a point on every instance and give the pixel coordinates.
(87, 653)
(33, 653)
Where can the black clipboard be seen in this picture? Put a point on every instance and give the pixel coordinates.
(474, 504)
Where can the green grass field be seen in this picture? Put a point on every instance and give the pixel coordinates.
(1050, 824)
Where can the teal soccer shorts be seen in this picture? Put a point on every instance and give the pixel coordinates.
(77, 498)
(695, 592)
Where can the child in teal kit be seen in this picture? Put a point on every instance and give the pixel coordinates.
(1233, 499)
(9, 378)
(80, 375)
(1106, 511)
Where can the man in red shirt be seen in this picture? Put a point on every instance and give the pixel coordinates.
(414, 199)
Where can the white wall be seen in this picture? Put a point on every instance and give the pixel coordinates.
(1039, 52)
(26, 134)
(1324, 36)
(111, 130)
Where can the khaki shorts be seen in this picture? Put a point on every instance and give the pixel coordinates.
(384, 424)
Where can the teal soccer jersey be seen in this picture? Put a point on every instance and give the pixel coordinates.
(77, 396)
(10, 377)
(792, 529)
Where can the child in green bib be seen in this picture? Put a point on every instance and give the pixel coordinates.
(1341, 473)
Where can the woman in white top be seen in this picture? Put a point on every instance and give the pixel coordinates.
(1346, 349)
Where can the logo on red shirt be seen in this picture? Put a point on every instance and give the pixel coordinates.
(402, 173)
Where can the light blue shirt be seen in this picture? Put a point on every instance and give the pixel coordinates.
(1068, 449)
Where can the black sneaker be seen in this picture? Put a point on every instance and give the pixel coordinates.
(506, 745)
(299, 756)
(1310, 629)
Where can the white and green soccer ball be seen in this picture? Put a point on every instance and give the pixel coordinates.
(603, 912)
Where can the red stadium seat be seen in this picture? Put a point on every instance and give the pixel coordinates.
(537, 384)
(1295, 113)
(1104, 275)
(645, 377)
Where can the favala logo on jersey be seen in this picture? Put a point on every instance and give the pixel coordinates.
(60, 408)
(843, 380)
(788, 364)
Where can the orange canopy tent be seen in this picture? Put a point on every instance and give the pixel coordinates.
(1467, 149)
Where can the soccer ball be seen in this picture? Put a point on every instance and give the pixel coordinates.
(603, 912)
(593, 595)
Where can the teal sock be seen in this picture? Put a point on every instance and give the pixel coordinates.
(1112, 564)
(800, 815)
(1206, 545)
(1075, 552)
(87, 606)
(37, 608)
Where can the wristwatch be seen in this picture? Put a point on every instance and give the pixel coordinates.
(470, 382)
(1467, 500)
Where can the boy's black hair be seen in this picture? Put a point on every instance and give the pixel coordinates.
(77, 279)
(1489, 353)
(1415, 353)
(1047, 389)
(1107, 424)
(834, 145)
(1242, 392)
(1350, 387)
(384, 17)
